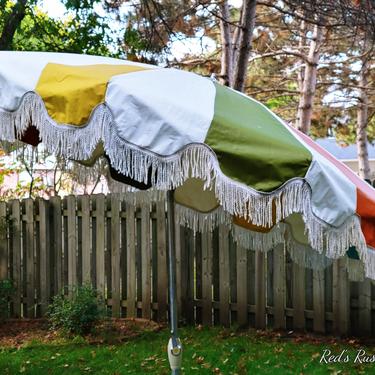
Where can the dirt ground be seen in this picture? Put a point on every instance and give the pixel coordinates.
(18, 332)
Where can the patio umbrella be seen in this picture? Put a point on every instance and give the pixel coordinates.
(222, 156)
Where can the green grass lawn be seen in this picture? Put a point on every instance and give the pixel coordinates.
(206, 351)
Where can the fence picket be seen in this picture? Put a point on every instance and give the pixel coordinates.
(279, 283)
(224, 275)
(115, 255)
(86, 239)
(100, 243)
(319, 301)
(364, 307)
(298, 297)
(207, 278)
(3, 242)
(45, 261)
(29, 258)
(242, 286)
(180, 272)
(146, 262)
(162, 282)
(131, 295)
(260, 290)
(56, 243)
(72, 241)
(340, 298)
(16, 272)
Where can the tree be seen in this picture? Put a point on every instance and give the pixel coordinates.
(246, 30)
(362, 111)
(12, 17)
(307, 80)
(23, 26)
(151, 27)
(236, 38)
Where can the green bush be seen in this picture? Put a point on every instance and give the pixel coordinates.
(77, 313)
(6, 291)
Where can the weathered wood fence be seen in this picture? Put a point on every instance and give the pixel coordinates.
(121, 250)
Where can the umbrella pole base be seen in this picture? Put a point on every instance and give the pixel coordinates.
(175, 355)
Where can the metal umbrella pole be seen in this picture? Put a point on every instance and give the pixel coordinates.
(174, 344)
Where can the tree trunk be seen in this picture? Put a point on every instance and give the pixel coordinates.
(11, 24)
(247, 28)
(362, 120)
(301, 44)
(226, 72)
(235, 42)
(305, 106)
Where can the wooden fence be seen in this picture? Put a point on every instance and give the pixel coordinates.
(121, 250)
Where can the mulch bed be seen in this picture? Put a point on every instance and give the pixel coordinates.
(19, 332)
(315, 338)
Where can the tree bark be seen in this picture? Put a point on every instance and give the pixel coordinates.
(11, 24)
(226, 72)
(301, 44)
(235, 42)
(305, 107)
(362, 121)
(246, 34)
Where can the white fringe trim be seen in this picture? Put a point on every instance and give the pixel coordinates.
(201, 222)
(169, 172)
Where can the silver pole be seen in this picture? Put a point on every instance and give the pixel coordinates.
(174, 345)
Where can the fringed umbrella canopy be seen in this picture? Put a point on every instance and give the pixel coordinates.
(230, 159)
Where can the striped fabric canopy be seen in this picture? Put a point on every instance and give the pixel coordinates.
(231, 160)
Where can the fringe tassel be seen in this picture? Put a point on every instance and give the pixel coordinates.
(201, 222)
(306, 256)
(258, 241)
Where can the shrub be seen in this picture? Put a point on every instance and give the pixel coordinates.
(6, 291)
(77, 313)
